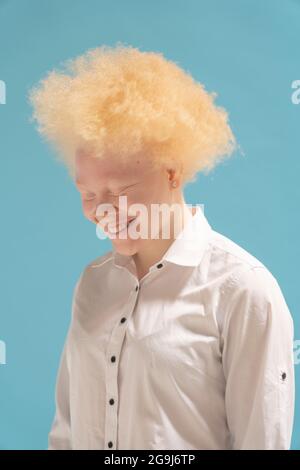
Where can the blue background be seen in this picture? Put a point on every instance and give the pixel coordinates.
(245, 50)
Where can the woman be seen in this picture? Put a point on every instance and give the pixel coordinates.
(179, 338)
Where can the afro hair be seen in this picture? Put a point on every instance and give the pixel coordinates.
(121, 101)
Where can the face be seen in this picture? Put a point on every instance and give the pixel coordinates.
(104, 181)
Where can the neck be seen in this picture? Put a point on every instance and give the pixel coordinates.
(154, 249)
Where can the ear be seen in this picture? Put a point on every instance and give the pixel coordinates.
(174, 173)
(171, 173)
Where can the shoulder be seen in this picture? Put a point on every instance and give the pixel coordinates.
(254, 282)
(100, 260)
(98, 267)
(225, 251)
(255, 302)
(237, 269)
(232, 268)
(246, 285)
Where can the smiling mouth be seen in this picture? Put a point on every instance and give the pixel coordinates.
(121, 227)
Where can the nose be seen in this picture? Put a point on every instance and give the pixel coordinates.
(111, 214)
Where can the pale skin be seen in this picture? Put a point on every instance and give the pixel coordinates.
(105, 180)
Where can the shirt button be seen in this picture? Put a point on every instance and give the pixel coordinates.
(137, 288)
(110, 444)
(283, 375)
(111, 401)
(123, 319)
(160, 265)
(113, 358)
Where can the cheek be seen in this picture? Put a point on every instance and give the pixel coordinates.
(144, 197)
(89, 209)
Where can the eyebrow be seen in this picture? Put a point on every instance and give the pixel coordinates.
(120, 188)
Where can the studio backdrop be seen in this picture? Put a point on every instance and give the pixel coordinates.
(244, 51)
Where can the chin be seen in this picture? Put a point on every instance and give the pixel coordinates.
(125, 247)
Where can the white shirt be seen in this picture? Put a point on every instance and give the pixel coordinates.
(198, 354)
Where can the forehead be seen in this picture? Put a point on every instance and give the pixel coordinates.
(109, 169)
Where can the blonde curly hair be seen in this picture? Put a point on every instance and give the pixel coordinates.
(121, 101)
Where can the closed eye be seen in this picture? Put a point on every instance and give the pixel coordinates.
(124, 190)
(127, 188)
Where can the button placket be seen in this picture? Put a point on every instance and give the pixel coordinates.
(111, 419)
(113, 354)
(148, 276)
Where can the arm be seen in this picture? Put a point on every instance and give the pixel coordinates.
(60, 434)
(60, 437)
(258, 363)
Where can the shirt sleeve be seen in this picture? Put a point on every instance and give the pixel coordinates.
(258, 364)
(59, 437)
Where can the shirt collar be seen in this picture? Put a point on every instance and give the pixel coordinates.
(188, 247)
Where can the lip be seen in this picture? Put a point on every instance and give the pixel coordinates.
(121, 227)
